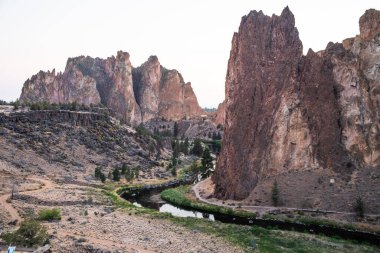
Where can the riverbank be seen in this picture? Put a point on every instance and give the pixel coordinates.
(267, 239)
(203, 192)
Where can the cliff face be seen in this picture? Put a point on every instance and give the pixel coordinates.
(135, 94)
(163, 93)
(220, 115)
(289, 115)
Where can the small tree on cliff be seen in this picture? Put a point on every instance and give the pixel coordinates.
(175, 131)
(275, 193)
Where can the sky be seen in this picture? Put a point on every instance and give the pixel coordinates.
(193, 37)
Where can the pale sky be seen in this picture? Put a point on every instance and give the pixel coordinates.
(193, 37)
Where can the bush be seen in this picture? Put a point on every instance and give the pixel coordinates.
(31, 233)
(49, 214)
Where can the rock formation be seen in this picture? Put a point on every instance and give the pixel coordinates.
(135, 94)
(163, 93)
(220, 115)
(305, 121)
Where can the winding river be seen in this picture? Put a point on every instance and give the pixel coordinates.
(149, 197)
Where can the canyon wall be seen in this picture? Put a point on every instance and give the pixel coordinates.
(307, 121)
(134, 94)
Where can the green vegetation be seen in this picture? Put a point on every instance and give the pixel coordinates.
(99, 174)
(175, 130)
(359, 207)
(214, 145)
(253, 238)
(197, 148)
(30, 233)
(275, 193)
(49, 214)
(206, 160)
(178, 197)
(116, 175)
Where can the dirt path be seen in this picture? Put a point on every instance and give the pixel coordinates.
(46, 184)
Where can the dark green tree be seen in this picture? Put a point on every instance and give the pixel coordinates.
(206, 160)
(197, 148)
(176, 149)
(98, 172)
(175, 130)
(116, 174)
(124, 169)
(102, 177)
(359, 207)
(30, 233)
(275, 193)
(186, 146)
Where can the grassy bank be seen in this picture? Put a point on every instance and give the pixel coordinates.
(178, 197)
(252, 238)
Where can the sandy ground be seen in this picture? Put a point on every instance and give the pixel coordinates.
(91, 224)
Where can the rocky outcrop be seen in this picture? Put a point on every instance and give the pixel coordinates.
(56, 116)
(289, 115)
(163, 93)
(220, 115)
(135, 94)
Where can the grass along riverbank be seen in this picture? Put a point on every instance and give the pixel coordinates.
(252, 238)
(182, 196)
(178, 196)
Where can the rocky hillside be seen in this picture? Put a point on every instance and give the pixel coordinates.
(310, 122)
(73, 143)
(135, 94)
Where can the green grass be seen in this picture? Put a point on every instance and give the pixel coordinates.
(178, 197)
(251, 238)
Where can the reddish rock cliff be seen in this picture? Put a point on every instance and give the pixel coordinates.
(163, 93)
(135, 94)
(300, 119)
(220, 115)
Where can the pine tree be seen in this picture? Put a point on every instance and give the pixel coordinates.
(206, 160)
(186, 146)
(116, 174)
(197, 148)
(175, 131)
(275, 193)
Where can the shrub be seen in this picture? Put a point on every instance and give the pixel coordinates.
(31, 233)
(49, 214)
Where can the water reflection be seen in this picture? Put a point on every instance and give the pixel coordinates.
(167, 208)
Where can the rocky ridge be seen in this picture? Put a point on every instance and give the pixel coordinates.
(310, 120)
(73, 143)
(134, 94)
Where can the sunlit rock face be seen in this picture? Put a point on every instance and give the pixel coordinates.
(297, 118)
(135, 94)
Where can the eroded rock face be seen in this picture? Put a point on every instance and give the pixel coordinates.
(220, 114)
(289, 114)
(163, 93)
(135, 94)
